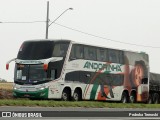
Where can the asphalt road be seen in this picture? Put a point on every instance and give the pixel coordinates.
(63, 113)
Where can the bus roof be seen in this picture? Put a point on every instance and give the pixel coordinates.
(55, 40)
(75, 42)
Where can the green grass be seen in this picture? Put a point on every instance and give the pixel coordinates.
(86, 104)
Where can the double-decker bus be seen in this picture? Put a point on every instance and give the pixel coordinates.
(68, 70)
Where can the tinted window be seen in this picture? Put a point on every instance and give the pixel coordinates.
(121, 57)
(77, 52)
(90, 53)
(111, 79)
(33, 50)
(60, 49)
(101, 54)
(117, 80)
(115, 56)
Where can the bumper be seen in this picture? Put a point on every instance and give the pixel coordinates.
(41, 94)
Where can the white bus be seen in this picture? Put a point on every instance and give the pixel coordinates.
(68, 70)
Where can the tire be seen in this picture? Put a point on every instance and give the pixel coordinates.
(66, 95)
(77, 96)
(150, 99)
(132, 98)
(124, 98)
(156, 98)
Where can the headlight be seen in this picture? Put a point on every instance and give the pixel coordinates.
(15, 88)
(42, 88)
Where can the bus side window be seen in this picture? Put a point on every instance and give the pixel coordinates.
(79, 51)
(113, 56)
(121, 57)
(53, 74)
(90, 53)
(101, 54)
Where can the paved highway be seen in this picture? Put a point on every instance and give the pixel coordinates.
(19, 112)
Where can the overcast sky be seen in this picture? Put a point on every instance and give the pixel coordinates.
(129, 21)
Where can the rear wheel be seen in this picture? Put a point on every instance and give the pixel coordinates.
(77, 96)
(156, 98)
(132, 98)
(150, 99)
(124, 98)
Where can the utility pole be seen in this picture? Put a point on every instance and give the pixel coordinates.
(47, 20)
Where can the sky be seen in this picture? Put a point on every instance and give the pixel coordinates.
(109, 23)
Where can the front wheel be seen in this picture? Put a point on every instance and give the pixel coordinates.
(66, 95)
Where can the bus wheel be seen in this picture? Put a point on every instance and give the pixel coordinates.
(77, 95)
(155, 98)
(65, 95)
(124, 98)
(150, 99)
(132, 98)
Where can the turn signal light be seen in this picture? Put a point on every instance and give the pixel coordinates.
(7, 66)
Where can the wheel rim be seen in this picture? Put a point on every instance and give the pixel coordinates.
(132, 99)
(124, 99)
(156, 99)
(64, 96)
(75, 96)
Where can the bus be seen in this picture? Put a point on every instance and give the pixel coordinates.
(69, 70)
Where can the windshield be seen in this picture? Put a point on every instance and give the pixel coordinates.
(36, 50)
(30, 74)
(33, 50)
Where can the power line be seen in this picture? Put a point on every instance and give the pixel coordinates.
(104, 37)
(127, 43)
(22, 22)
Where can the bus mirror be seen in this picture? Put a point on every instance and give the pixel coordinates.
(7, 66)
(45, 66)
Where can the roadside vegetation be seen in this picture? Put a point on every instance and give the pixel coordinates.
(6, 90)
(85, 104)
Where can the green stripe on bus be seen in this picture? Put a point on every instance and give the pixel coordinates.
(94, 91)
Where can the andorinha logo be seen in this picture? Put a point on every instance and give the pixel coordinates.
(100, 66)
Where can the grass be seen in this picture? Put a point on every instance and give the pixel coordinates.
(6, 86)
(85, 104)
(6, 90)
